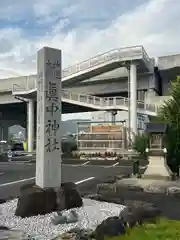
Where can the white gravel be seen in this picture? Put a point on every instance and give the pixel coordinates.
(90, 215)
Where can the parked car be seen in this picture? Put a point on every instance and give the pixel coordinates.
(16, 149)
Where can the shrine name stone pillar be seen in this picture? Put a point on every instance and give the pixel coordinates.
(48, 150)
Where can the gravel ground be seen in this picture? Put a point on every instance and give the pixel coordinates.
(90, 215)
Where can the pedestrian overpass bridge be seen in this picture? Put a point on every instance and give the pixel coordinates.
(83, 102)
(90, 68)
(134, 59)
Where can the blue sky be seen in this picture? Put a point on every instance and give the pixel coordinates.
(83, 28)
(37, 17)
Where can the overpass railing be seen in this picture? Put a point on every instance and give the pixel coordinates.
(100, 102)
(119, 54)
(115, 54)
(107, 101)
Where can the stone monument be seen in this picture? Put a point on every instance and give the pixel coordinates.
(48, 194)
(157, 167)
(48, 152)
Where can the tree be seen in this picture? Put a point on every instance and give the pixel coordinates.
(68, 144)
(170, 113)
(141, 142)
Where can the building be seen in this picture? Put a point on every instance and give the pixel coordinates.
(101, 138)
(121, 116)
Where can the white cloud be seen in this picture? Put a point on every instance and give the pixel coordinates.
(84, 29)
(154, 25)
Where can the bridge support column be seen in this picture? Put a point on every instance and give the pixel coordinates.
(30, 126)
(133, 97)
(113, 116)
(4, 132)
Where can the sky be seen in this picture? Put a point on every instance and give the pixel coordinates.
(83, 28)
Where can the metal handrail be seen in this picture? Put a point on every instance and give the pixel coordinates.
(108, 102)
(104, 57)
(94, 61)
(100, 101)
(145, 55)
(19, 88)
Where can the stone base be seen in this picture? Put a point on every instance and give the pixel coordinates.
(157, 169)
(157, 177)
(37, 201)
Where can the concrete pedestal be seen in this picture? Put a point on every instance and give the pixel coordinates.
(157, 168)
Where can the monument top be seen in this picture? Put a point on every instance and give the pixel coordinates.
(156, 128)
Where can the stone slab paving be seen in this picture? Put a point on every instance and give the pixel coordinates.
(165, 195)
(151, 185)
(146, 182)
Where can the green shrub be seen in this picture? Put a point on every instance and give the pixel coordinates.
(141, 142)
(163, 230)
(68, 145)
(170, 114)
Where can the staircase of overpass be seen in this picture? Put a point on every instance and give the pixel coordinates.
(94, 67)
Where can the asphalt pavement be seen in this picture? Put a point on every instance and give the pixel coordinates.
(14, 174)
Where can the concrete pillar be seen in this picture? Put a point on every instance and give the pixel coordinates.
(150, 96)
(1, 133)
(133, 97)
(5, 132)
(48, 149)
(30, 123)
(113, 117)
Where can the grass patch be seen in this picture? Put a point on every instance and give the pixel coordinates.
(164, 229)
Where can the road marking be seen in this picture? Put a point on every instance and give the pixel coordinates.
(95, 166)
(14, 162)
(70, 165)
(143, 167)
(15, 182)
(85, 163)
(28, 179)
(20, 162)
(84, 180)
(115, 164)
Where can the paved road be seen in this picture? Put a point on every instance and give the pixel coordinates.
(10, 172)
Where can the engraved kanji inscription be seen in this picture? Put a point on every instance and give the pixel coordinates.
(52, 108)
(52, 145)
(40, 81)
(52, 127)
(57, 74)
(54, 64)
(51, 93)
